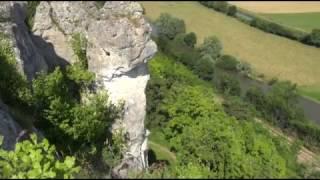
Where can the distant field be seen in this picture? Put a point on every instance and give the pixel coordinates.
(302, 21)
(311, 91)
(279, 6)
(269, 54)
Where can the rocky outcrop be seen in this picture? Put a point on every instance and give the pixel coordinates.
(118, 49)
(12, 24)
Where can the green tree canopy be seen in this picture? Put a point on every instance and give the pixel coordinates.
(168, 26)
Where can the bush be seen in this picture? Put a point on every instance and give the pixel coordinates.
(241, 110)
(204, 68)
(232, 10)
(244, 68)
(314, 38)
(190, 39)
(256, 96)
(211, 47)
(65, 107)
(34, 159)
(229, 85)
(277, 29)
(221, 6)
(228, 63)
(169, 26)
(79, 46)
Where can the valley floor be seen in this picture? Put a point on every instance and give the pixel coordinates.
(268, 54)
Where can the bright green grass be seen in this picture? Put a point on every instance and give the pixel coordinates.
(270, 54)
(311, 91)
(302, 21)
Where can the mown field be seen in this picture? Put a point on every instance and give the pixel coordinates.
(279, 6)
(301, 21)
(269, 54)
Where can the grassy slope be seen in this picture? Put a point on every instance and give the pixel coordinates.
(302, 21)
(269, 54)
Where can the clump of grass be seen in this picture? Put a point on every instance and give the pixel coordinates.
(31, 11)
(79, 46)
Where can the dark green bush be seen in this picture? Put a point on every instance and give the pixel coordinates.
(228, 84)
(228, 62)
(314, 38)
(232, 10)
(241, 110)
(169, 26)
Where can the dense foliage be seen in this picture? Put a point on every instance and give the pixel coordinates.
(34, 159)
(314, 37)
(168, 26)
(279, 106)
(208, 142)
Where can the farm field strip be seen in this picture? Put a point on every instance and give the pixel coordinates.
(272, 55)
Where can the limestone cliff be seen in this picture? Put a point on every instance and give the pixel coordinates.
(118, 49)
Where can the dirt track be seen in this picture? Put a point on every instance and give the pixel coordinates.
(279, 6)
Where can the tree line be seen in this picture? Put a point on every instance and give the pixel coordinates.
(312, 38)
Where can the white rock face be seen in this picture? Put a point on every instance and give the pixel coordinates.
(119, 47)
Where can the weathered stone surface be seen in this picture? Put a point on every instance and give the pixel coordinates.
(118, 49)
(29, 59)
(9, 129)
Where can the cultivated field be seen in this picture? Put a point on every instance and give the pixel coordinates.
(269, 54)
(279, 6)
(302, 21)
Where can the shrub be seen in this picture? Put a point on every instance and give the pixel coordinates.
(211, 47)
(228, 62)
(34, 159)
(229, 85)
(244, 68)
(204, 68)
(190, 39)
(232, 10)
(65, 107)
(169, 26)
(241, 110)
(314, 37)
(255, 96)
(277, 29)
(79, 46)
(221, 6)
